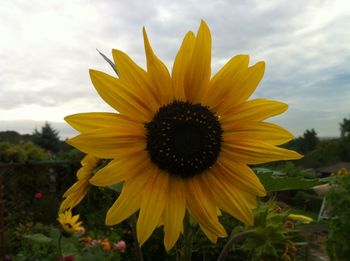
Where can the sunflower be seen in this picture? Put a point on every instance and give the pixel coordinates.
(182, 141)
(69, 223)
(78, 190)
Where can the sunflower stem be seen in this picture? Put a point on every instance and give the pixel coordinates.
(236, 238)
(139, 255)
(60, 247)
(187, 240)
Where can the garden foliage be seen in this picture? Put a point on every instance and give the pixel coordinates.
(338, 200)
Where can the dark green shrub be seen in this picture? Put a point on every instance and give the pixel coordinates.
(338, 201)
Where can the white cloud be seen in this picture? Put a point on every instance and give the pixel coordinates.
(48, 46)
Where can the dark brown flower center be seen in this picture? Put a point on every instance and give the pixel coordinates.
(184, 139)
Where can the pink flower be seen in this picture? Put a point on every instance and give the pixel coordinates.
(7, 258)
(120, 246)
(38, 195)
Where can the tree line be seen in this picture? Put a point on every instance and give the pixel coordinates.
(320, 153)
(42, 144)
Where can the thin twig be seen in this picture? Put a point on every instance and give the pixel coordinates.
(238, 237)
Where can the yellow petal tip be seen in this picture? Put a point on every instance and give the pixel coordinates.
(68, 119)
(203, 23)
(69, 141)
(109, 220)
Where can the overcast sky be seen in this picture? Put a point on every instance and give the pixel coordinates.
(47, 47)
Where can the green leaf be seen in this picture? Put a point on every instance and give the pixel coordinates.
(38, 238)
(280, 182)
(117, 187)
(87, 257)
(114, 67)
(69, 250)
(54, 234)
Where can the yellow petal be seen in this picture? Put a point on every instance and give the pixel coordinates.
(89, 161)
(243, 87)
(89, 121)
(159, 73)
(240, 175)
(73, 199)
(253, 110)
(268, 132)
(212, 237)
(107, 142)
(152, 206)
(135, 148)
(88, 164)
(77, 226)
(121, 96)
(228, 197)
(250, 199)
(256, 152)
(174, 212)
(69, 216)
(202, 208)
(129, 201)
(121, 169)
(226, 80)
(181, 65)
(74, 219)
(137, 79)
(302, 218)
(199, 71)
(76, 186)
(84, 173)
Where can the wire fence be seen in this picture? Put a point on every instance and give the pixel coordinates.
(58, 174)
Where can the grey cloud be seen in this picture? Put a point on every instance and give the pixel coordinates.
(28, 127)
(307, 61)
(47, 97)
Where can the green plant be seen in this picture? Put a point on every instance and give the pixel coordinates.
(42, 245)
(338, 198)
(36, 247)
(270, 237)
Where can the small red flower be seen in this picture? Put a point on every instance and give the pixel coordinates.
(38, 195)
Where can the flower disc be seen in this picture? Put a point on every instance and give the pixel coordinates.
(184, 139)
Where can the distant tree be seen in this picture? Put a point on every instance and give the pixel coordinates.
(309, 140)
(345, 128)
(10, 136)
(306, 143)
(10, 152)
(344, 142)
(325, 154)
(21, 152)
(47, 138)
